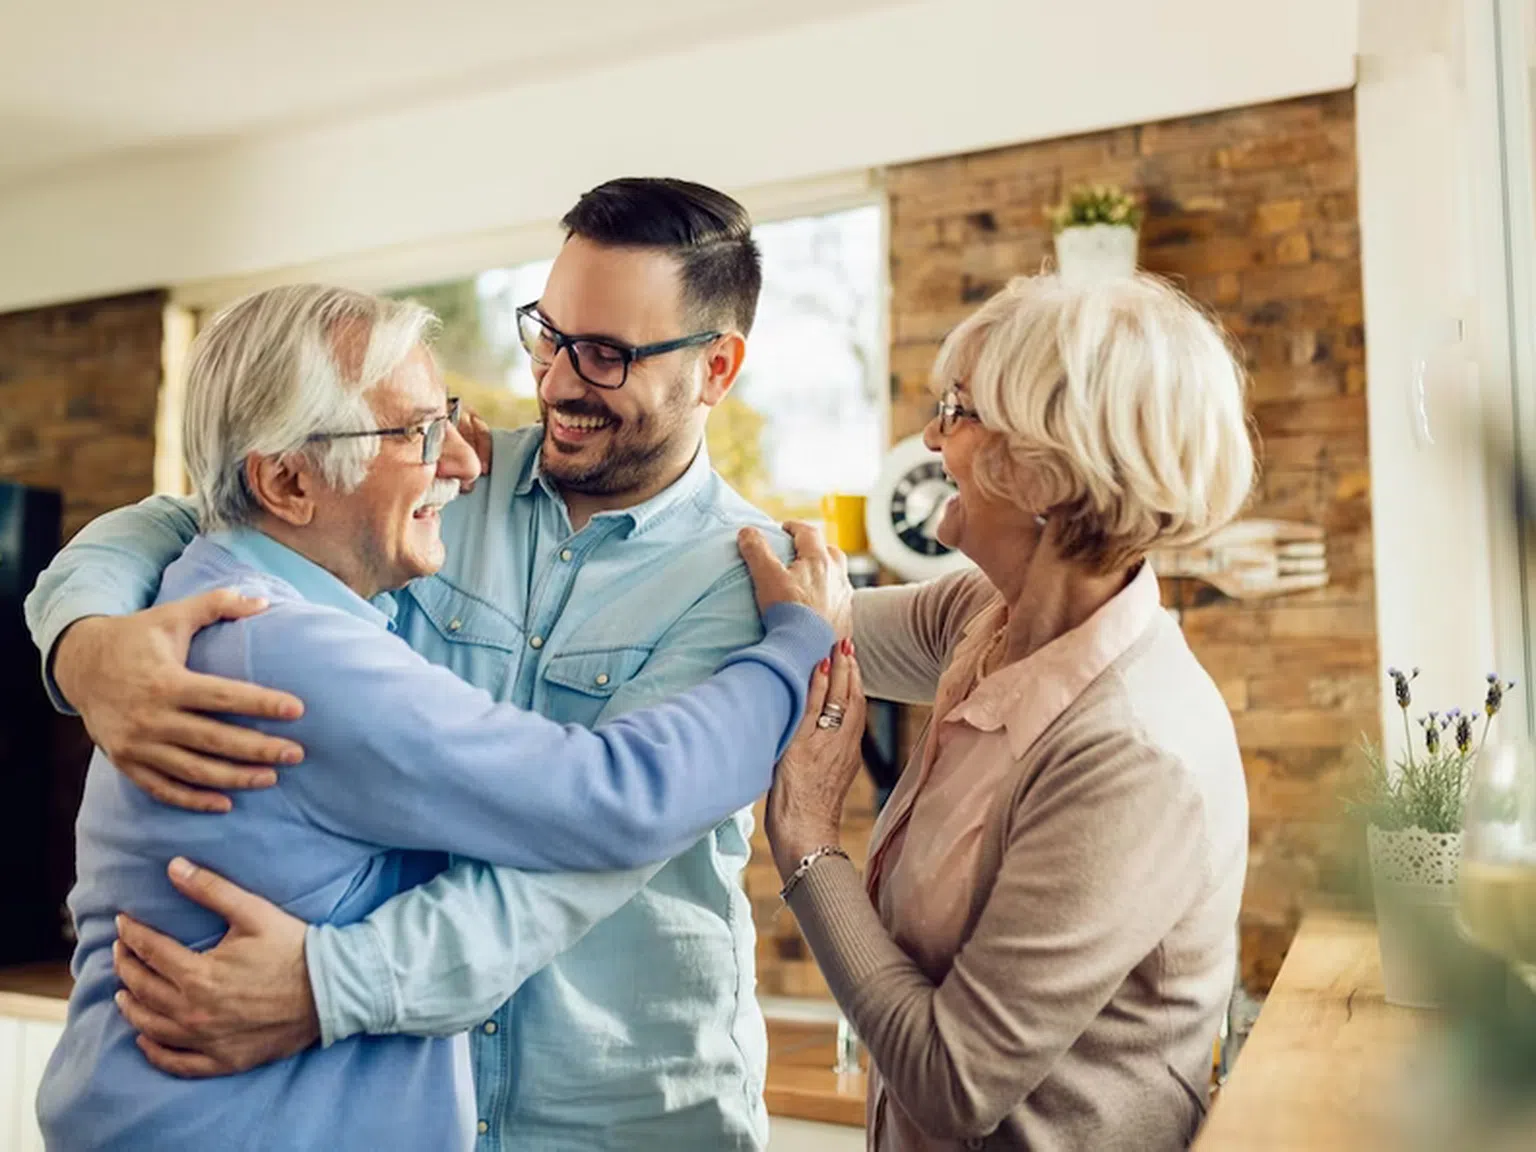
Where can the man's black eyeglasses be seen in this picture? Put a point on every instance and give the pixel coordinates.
(600, 362)
(432, 432)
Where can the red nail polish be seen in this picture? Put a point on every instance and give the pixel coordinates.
(824, 667)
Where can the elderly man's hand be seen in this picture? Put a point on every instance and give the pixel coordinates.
(817, 578)
(128, 678)
(478, 435)
(245, 1002)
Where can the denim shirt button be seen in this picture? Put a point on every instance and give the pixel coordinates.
(455, 624)
(565, 554)
(482, 1127)
(489, 1026)
(536, 642)
(602, 678)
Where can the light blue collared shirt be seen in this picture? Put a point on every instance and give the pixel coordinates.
(647, 1033)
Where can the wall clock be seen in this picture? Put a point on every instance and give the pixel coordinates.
(903, 511)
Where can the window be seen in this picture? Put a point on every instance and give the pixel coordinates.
(807, 415)
(815, 362)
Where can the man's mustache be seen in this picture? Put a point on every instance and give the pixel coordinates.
(441, 493)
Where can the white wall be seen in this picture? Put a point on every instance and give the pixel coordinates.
(1433, 260)
(923, 78)
(25, 1046)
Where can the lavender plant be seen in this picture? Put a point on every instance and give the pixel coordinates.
(1426, 789)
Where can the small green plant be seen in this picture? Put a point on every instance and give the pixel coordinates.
(1095, 204)
(1426, 790)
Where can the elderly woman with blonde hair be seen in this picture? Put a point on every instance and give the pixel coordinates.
(1043, 944)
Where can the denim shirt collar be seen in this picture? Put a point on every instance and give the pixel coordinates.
(306, 577)
(641, 516)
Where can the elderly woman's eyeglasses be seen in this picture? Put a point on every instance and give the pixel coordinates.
(432, 432)
(951, 411)
(602, 363)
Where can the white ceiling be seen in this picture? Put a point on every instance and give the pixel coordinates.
(83, 79)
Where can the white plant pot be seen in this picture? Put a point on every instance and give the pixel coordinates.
(1095, 252)
(1413, 875)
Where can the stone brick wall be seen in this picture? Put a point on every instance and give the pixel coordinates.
(1253, 212)
(79, 384)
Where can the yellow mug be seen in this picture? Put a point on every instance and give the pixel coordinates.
(844, 516)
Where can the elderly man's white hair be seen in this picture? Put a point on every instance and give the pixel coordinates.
(279, 366)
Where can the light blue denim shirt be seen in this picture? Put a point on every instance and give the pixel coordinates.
(647, 1033)
(401, 754)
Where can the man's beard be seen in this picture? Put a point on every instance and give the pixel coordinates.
(637, 448)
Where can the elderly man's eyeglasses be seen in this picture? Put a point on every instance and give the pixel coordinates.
(951, 411)
(601, 363)
(432, 432)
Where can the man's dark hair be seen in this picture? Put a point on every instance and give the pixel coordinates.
(709, 233)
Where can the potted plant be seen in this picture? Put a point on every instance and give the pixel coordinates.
(1413, 808)
(1096, 232)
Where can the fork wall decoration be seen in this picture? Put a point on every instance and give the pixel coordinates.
(1252, 559)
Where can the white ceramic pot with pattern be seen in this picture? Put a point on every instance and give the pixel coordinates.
(1413, 876)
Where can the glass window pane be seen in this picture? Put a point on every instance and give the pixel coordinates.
(813, 367)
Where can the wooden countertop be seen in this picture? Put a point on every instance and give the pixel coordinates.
(1330, 1066)
(801, 1083)
(1327, 1062)
(35, 991)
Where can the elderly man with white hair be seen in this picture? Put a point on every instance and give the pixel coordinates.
(1044, 941)
(322, 446)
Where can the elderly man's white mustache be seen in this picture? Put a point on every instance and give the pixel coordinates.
(441, 492)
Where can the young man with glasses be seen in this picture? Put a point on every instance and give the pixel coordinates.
(595, 570)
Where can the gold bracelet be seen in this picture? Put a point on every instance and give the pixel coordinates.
(805, 866)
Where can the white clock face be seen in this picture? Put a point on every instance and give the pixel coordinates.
(903, 511)
(917, 506)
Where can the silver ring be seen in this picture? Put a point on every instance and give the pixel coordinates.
(832, 708)
(829, 721)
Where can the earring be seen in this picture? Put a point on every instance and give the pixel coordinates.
(1040, 519)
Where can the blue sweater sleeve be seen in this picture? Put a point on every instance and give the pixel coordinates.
(404, 754)
(111, 568)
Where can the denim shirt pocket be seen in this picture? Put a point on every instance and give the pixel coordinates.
(480, 643)
(581, 682)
